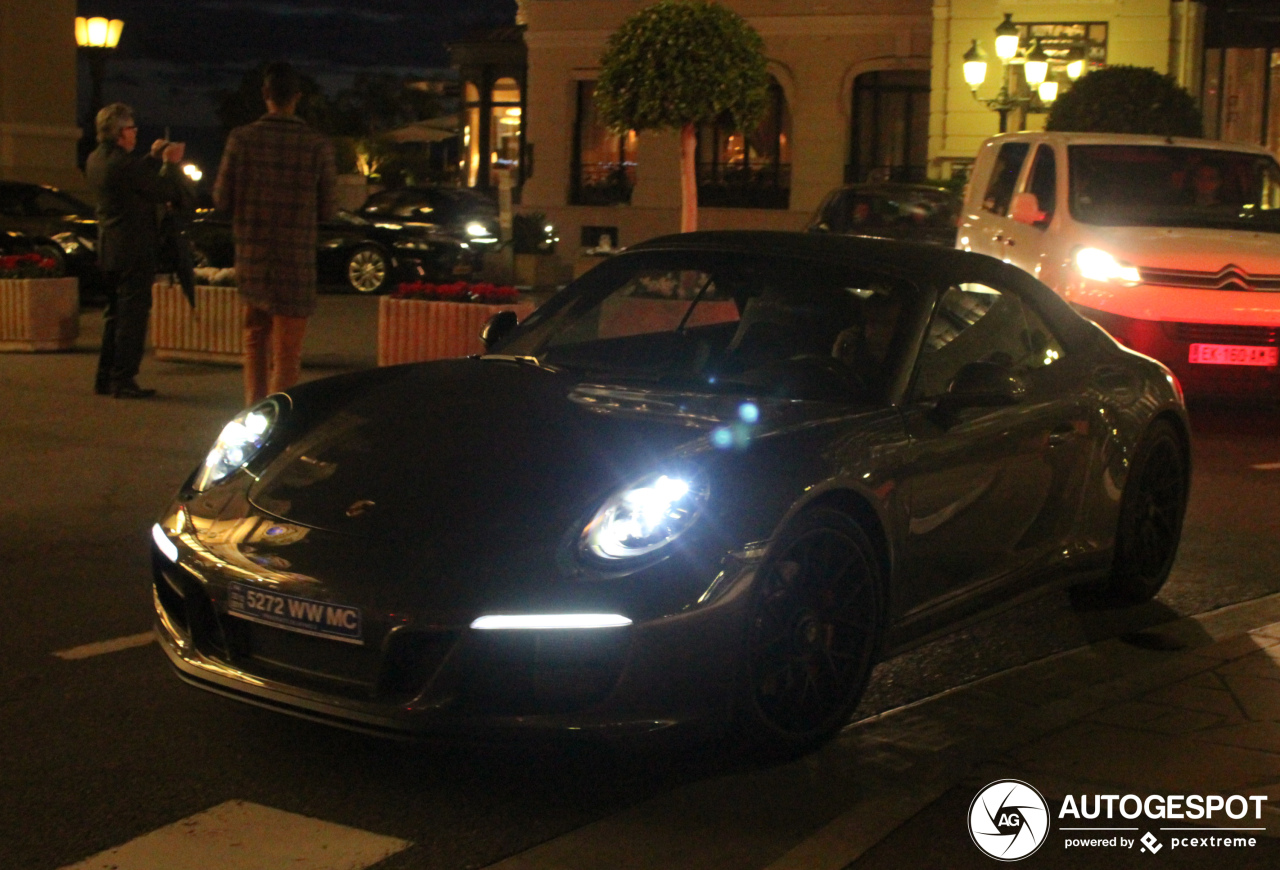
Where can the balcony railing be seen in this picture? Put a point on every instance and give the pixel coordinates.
(733, 185)
(604, 184)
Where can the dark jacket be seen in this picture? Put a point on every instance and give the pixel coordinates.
(128, 188)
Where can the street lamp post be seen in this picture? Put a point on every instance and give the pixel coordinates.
(1036, 70)
(96, 38)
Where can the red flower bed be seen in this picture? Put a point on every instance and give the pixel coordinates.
(27, 266)
(459, 291)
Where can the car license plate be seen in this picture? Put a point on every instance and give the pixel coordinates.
(1234, 355)
(319, 618)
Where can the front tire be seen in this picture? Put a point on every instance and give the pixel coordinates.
(1152, 508)
(367, 270)
(812, 635)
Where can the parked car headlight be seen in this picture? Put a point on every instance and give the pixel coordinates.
(645, 516)
(1097, 265)
(240, 441)
(476, 229)
(71, 243)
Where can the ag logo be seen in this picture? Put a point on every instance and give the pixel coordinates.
(1008, 820)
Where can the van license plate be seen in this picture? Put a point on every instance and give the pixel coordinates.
(1234, 355)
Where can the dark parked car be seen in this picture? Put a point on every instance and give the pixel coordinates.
(909, 212)
(713, 480)
(67, 225)
(361, 256)
(464, 214)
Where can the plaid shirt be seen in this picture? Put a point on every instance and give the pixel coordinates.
(277, 180)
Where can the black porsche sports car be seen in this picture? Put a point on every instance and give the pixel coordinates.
(712, 481)
(353, 253)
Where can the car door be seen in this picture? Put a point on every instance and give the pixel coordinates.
(985, 224)
(993, 489)
(1027, 238)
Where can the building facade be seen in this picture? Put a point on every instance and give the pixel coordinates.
(38, 130)
(831, 61)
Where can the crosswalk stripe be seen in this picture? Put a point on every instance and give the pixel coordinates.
(239, 835)
(89, 650)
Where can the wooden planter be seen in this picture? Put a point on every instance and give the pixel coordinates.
(415, 330)
(39, 313)
(212, 332)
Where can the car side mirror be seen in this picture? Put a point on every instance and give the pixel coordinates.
(1026, 209)
(497, 328)
(983, 385)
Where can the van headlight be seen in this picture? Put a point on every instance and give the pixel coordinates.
(240, 441)
(1097, 265)
(645, 516)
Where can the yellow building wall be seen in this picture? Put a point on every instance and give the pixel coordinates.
(815, 49)
(38, 131)
(1147, 33)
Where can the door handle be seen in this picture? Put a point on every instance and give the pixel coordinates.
(1062, 434)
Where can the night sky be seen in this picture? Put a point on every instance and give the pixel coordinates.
(174, 53)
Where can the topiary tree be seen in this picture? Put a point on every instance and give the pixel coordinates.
(1126, 99)
(677, 64)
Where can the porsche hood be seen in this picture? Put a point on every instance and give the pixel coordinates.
(480, 448)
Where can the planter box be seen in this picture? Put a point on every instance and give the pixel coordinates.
(39, 314)
(414, 330)
(212, 332)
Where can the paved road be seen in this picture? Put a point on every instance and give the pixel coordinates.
(100, 750)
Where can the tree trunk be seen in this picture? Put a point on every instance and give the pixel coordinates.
(688, 179)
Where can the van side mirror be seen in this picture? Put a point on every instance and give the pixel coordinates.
(497, 328)
(1026, 209)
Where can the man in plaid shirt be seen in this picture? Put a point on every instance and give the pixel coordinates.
(277, 180)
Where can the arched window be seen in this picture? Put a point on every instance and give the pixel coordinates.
(890, 136)
(492, 121)
(747, 170)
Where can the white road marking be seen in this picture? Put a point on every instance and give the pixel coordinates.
(1267, 466)
(239, 835)
(106, 646)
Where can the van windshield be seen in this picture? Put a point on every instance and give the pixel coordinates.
(1171, 186)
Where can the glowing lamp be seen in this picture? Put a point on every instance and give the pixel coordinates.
(1048, 91)
(1007, 38)
(98, 32)
(975, 66)
(1036, 69)
(1075, 68)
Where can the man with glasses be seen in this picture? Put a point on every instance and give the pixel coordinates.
(128, 189)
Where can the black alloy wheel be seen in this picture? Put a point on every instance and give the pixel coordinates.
(367, 270)
(813, 634)
(1150, 525)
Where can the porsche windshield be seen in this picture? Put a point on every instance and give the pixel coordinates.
(722, 323)
(1170, 186)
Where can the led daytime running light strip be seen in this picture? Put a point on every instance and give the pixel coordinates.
(550, 621)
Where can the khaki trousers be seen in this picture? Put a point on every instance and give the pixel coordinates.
(272, 353)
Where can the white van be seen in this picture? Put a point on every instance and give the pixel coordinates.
(1172, 245)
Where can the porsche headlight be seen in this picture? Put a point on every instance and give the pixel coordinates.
(645, 516)
(240, 441)
(1097, 265)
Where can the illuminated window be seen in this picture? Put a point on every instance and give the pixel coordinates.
(604, 163)
(504, 128)
(751, 169)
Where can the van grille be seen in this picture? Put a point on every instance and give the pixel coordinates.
(1228, 278)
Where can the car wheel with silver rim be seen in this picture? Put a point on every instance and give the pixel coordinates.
(367, 270)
